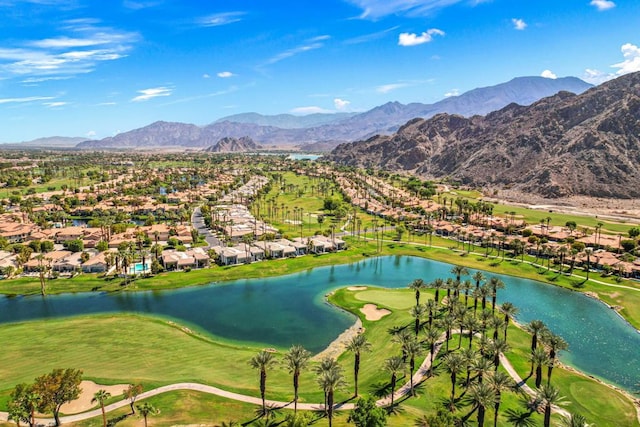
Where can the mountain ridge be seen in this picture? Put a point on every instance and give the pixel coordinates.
(562, 145)
(384, 119)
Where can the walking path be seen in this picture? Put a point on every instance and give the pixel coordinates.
(404, 390)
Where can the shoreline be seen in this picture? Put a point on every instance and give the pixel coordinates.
(338, 345)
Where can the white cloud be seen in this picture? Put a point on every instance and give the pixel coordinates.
(341, 104)
(147, 94)
(91, 134)
(312, 44)
(375, 9)
(231, 89)
(390, 87)
(548, 74)
(412, 39)
(219, 19)
(519, 24)
(137, 5)
(603, 4)
(453, 92)
(66, 55)
(225, 74)
(370, 37)
(309, 110)
(55, 104)
(206, 76)
(631, 64)
(26, 99)
(595, 77)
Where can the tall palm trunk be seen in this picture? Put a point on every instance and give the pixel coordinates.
(393, 388)
(356, 370)
(296, 383)
(330, 407)
(263, 388)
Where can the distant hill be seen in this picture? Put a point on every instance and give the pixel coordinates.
(50, 142)
(563, 145)
(234, 145)
(286, 121)
(384, 119)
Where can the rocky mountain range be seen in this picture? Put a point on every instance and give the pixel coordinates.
(48, 142)
(286, 121)
(234, 145)
(331, 130)
(563, 145)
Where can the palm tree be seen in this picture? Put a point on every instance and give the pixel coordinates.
(510, 312)
(394, 365)
(417, 285)
(535, 328)
(430, 306)
(453, 364)
(555, 344)
(484, 291)
(327, 364)
(481, 367)
(448, 322)
(357, 345)
(495, 323)
(412, 349)
(470, 356)
(432, 335)
(481, 396)
(437, 285)
(548, 396)
(330, 380)
(495, 284)
(574, 420)
(417, 312)
(459, 271)
(466, 287)
(538, 357)
(262, 361)
(496, 348)
(479, 278)
(499, 382)
(100, 396)
(145, 410)
(402, 337)
(295, 360)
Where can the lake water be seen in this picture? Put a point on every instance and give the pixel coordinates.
(304, 156)
(281, 311)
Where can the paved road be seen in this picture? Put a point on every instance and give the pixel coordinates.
(197, 221)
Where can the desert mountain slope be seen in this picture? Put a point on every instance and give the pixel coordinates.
(566, 144)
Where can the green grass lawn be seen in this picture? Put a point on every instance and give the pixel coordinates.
(129, 348)
(534, 216)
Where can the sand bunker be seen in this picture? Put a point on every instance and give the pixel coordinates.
(372, 312)
(89, 388)
(356, 288)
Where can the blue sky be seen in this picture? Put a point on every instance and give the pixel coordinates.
(95, 68)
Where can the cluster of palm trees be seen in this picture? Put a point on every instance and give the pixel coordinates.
(476, 368)
(330, 374)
